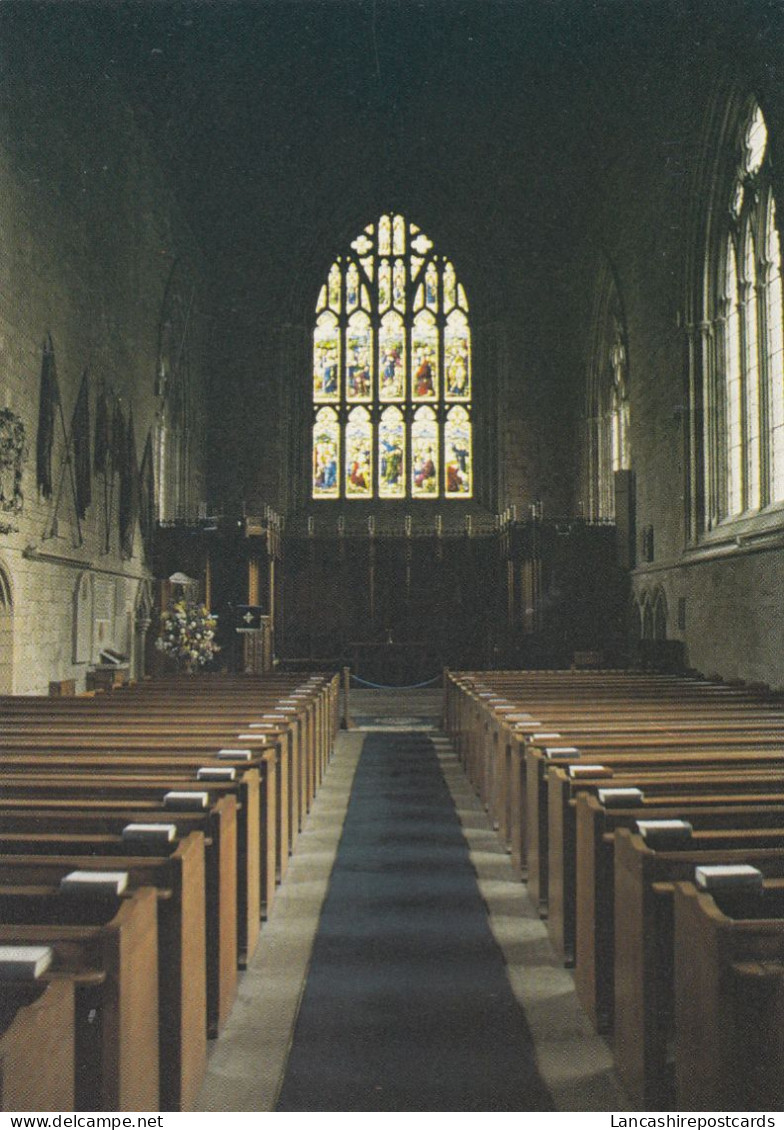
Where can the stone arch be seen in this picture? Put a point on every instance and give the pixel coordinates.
(142, 619)
(659, 615)
(6, 632)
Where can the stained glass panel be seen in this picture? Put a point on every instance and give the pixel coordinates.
(384, 235)
(391, 454)
(359, 447)
(359, 352)
(326, 454)
(431, 286)
(457, 357)
(450, 284)
(424, 454)
(334, 288)
(398, 235)
(384, 284)
(458, 454)
(424, 357)
(399, 285)
(352, 288)
(392, 358)
(326, 358)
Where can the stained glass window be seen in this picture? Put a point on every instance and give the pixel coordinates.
(392, 372)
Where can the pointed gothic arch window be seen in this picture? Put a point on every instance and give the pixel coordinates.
(392, 372)
(607, 408)
(744, 385)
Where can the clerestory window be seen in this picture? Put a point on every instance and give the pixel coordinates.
(745, 391)
(392, 372)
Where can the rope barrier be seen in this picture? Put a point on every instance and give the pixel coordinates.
(389, 687)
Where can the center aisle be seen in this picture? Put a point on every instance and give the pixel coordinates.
(407, 1004)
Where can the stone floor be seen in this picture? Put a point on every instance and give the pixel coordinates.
(248, 1062)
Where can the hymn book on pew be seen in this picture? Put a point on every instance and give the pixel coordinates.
(94, 882)
(24, 963)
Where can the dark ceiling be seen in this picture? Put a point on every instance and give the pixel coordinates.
(286, 125)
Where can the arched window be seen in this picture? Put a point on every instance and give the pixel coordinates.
(607, 407)
(392, 372)
(744, 440)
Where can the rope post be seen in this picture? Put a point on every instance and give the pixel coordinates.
(346, 686)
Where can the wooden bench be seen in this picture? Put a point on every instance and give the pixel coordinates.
(37, 1038)
(82, 775)
(40, 860)
(111, 947)
(721, 776)
(729, 992)
(220, 828)
(596, 827)
(644, 951)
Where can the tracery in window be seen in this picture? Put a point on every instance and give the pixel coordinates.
(744, 440)
(392, 372)
(608, 447)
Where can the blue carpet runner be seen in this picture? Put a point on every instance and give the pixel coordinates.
(407, 1006)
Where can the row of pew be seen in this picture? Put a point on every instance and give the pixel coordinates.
(646, 814)
(143, 834)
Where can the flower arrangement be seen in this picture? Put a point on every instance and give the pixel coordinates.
(187, 634)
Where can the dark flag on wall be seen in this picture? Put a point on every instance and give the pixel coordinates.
(147, 496)
(119, 437)
(47, 408)
(129, 491)
(80, 430)
(103, 438)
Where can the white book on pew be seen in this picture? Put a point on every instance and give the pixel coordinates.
(620, 798)
(234, 755)
(150, 833)
(186, 801)
(216, 773)
(24, 963)
(542, 736)
(728, 876)
(664, 832)
(94, 882)
(576, 771)
(561, 752)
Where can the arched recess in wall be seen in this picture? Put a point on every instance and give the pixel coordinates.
(659, 615)
(646, 617)
(607, 442)
(142, 619)
(734, 322)
(176, 427)
(6, 633)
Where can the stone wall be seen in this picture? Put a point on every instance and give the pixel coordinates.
(89, 236)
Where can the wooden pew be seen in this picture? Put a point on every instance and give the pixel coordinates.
(111, 946)
(644, 956)
(41, 860)
(596, 826)
(729, 991)
(82, 773)
(688, 753)
(716, 777)
(37, 1037)
(220, 828)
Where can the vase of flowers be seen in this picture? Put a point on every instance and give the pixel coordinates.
(187, 634)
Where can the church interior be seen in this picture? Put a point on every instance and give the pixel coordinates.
(391, 404)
